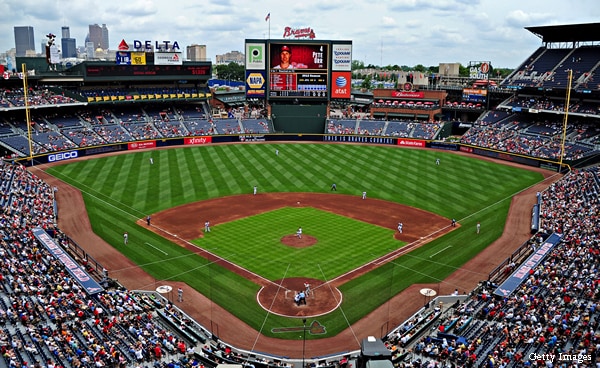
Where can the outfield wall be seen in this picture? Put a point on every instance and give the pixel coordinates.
(299, 137)
(299, 118)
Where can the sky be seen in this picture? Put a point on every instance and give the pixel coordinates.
(384, 32)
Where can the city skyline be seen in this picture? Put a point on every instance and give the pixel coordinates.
(395, 32)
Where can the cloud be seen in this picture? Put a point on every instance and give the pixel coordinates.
(520, 18)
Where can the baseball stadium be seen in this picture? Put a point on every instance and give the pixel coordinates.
(151, 218)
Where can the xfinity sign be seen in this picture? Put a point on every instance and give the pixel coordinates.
(62, 156)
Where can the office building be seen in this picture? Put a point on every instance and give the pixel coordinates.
(99, 36)
(24, 40)
(196, 52)
(67, 44)
(230, 57)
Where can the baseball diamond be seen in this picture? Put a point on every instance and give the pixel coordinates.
(215, 299)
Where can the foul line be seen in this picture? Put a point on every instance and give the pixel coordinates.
(160, 250)
(436, 253)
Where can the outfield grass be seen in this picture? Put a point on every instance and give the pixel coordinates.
(120, 189)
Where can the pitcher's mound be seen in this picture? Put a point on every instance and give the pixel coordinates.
(294, 241)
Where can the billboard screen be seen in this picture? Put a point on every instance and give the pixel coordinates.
(298, 69)
(474, 95)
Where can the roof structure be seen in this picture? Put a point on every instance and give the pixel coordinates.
(584, 32)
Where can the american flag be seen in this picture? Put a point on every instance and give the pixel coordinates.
(268, 17)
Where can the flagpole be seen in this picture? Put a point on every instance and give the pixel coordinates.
(268, 19)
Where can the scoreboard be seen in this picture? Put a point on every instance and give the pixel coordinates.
(298, 84)
(298, 69)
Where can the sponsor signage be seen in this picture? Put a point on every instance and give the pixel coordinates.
(481, 71)
(341, 57)
(74, 269)
(141, 145)
(411, 143)
(197, 140)
(404, 94)
(340, 86)
(255, 84)
(523, 271)
(155, 45)
(255, 56)
(62, 156)
(168, 58)
(137, 58)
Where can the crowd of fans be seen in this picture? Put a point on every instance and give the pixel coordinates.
(521, 134)
(36, 96)
(501, 130)
(555, 311)
(383, 128)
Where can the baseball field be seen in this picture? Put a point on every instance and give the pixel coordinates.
(251, 246)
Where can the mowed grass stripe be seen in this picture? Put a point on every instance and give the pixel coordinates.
(255, 170)
(205, 182)
(186, 177)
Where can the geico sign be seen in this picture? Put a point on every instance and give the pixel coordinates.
(62, 156)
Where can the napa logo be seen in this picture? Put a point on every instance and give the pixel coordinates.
(341, 82)
(255, 80)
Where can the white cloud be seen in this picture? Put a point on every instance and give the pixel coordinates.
(411, 31)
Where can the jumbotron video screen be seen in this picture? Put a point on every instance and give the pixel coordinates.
(298, 69)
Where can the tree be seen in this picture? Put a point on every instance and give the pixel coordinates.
(232, 71)
(366, 83)
(357, 64)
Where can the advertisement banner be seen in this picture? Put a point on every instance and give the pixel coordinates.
(197, 140)
(141, 145)
(341, 57)
(168, 58)
(524, 270)
(255, 56)
(61, 156)
(411, 143)
(138, 58)
(341, 83)
(123, 58)
(408, 94)
(256, 84)
(76, 271)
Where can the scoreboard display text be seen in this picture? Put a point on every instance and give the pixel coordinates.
(298, 70)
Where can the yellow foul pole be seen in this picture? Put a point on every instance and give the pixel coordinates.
(565, 120)
(27, 112)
